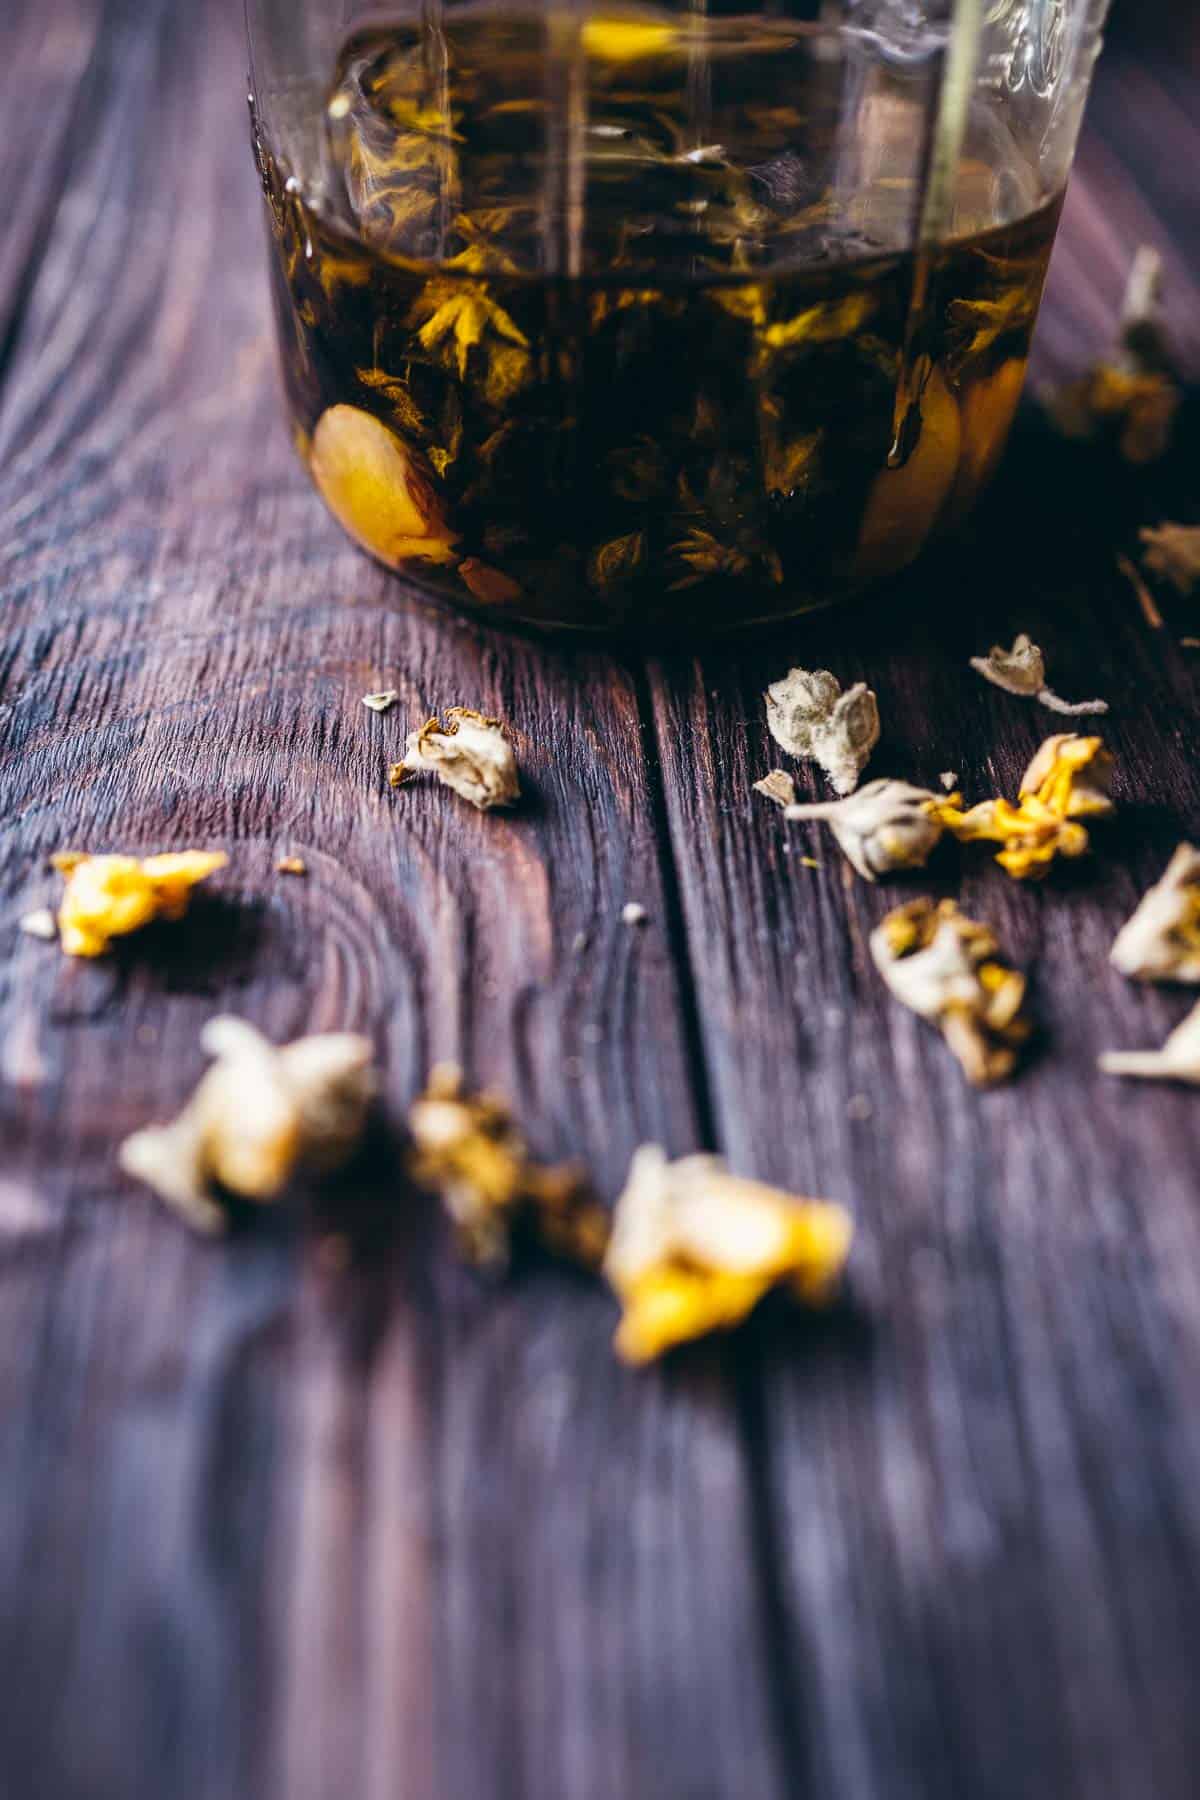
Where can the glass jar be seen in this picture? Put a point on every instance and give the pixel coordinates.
(651, 317)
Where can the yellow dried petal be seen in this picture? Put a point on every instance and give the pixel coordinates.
(1066, 781)
(375, 488)
(109, 896)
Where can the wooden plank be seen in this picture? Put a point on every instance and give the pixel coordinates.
(264, 1528)
(984, 1499)
(46, 60)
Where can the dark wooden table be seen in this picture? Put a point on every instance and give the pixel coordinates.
(269, 1528)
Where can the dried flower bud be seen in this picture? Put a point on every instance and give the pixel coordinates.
(1066, 781)
(1022, 670)
(1173, 552)
(109, 896)
(947, 968)
(375, 488)
(468, 1151)
(1161, 940)
(469, 752)
(1178, 1060)
(885, 826)
(258, 1114)
(808, 715)
(694, 1249)
(1133, 394)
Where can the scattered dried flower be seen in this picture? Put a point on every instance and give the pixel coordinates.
(885, 826)
(39, 924)
(1178, 1060)
(382, 701)
(292, 865)
(808, 715)
(259, 1113)
(1160, 941)
(1173, 552)
(1022, 670)
(633, 913)
(466, 750)
(777, 786)
(948, 779)
(947, 968)
(694, 1249)
(1132, 395)
(109, 896)
(468, 1151)
(1066, 781)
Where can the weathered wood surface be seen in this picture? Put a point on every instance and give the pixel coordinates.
(268, 1528)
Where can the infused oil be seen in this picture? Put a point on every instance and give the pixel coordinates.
(611, 322)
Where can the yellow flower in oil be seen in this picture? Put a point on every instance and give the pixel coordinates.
(375, 488)
(107, 897)
(463, 327)
(626, 40)
(694, 1248)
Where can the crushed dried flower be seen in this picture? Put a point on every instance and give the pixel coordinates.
(694, 1248)
(469, 752)
(39, 924)
(1160, 941)
(1022, 670)
(777, 786)
(258, 1114)
(1178, 1059)
(1173, 552)
(809, 716)
(292, 865)
(380, 702)
(1066, 781)
(468, 1150)
(1133, 394)
(948, 969)
(109, 896)
(885, 826)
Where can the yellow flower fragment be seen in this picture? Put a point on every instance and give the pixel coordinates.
(468, 1150)
(948, 969)
(109, 896)
(695, 1248)
(1066, 781)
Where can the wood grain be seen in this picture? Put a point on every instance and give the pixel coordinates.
(274, 1527)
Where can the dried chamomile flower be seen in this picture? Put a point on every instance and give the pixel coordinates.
(1161, 939)
(466, 750)
(468, 1151)
(461, 326)
(1178, 1060)
(885, 826)
(948, 969)
(1133, 394)
(777, 786)
(1173, 551)
(694, 1248)
(109, 896)
(808, 715)
(379, 703)
(259, 1113)
(1066, 781)
(1022, 670)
